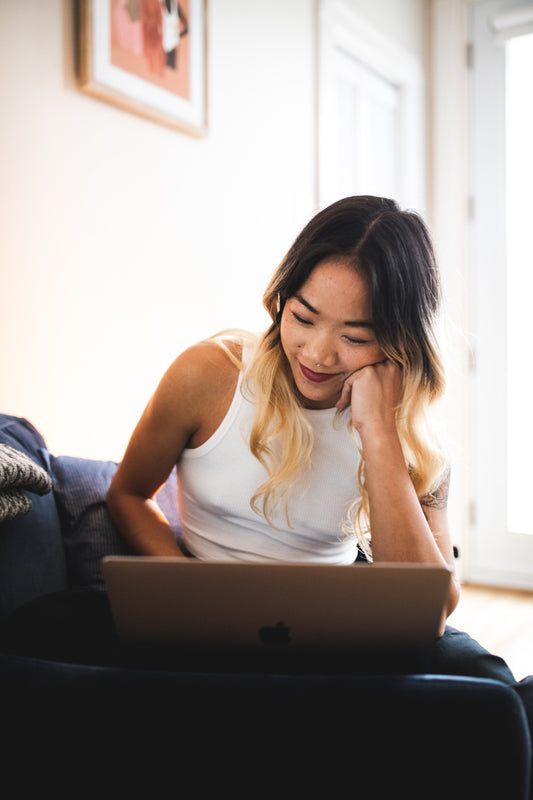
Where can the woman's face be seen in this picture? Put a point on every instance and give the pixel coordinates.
(327, 332)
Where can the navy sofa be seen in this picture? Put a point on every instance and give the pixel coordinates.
(246, 733)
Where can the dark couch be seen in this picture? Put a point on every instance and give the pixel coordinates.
(246, 733)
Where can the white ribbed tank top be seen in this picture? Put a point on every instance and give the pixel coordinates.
(217, 480)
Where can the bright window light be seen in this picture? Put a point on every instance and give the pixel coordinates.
(519, 190)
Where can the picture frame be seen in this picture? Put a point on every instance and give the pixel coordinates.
(148, 57)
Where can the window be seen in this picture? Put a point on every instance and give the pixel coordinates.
(501, 269)
(519, 188)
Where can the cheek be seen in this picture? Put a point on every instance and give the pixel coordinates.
(367, 356)
(288, 335)
(378, 354)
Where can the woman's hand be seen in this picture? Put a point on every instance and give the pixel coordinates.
(402, 530)
(374, 393)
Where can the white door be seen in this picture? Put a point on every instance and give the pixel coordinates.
(370, 112)
(362, 156)
(501, 290)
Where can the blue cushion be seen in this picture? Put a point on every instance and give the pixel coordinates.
(80, 488)
(32, 555)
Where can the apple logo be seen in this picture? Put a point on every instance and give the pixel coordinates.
(278, 634)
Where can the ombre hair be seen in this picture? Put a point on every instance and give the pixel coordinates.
(392, 250)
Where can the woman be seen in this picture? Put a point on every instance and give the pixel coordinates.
(311, 443)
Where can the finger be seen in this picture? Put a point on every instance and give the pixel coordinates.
(346, 396)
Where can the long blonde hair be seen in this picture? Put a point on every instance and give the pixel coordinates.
(392, 250)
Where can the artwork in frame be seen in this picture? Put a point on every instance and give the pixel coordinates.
(147, 56)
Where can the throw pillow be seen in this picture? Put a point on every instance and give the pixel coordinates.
(80, 488)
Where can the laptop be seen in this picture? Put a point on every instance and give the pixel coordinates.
(273, 607)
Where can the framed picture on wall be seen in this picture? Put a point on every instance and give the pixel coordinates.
(148, 57)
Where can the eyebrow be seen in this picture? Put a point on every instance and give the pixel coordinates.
(351, 323)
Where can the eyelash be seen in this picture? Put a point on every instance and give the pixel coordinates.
(308, 323)
(301, 320)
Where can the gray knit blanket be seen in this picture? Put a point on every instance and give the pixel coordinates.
(19, 474)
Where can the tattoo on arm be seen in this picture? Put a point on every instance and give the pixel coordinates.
(439, 498)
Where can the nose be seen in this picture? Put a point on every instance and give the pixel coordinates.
(320, 350)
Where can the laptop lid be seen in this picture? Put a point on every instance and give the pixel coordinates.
(186, 602)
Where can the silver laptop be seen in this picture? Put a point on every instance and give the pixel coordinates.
(186, 602)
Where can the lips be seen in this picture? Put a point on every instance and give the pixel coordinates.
(316, 377)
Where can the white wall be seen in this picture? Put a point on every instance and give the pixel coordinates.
(123, 241)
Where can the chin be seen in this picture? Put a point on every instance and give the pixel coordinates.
(317, 400)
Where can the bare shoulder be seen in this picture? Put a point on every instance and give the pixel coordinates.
(186, 408)
(201, 369)
(198, 388)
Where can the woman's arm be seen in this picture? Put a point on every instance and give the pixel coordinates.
(403, 528)
(184, 409)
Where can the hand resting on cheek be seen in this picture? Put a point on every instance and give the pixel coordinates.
(374, 392)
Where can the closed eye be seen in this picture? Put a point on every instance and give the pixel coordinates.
(349, 339)
(358, 341)
(300, 319)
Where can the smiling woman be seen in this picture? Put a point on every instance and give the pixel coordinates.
(310, 444)
(352, 305)
(318, 328)
(324, 418)
(361, 260)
